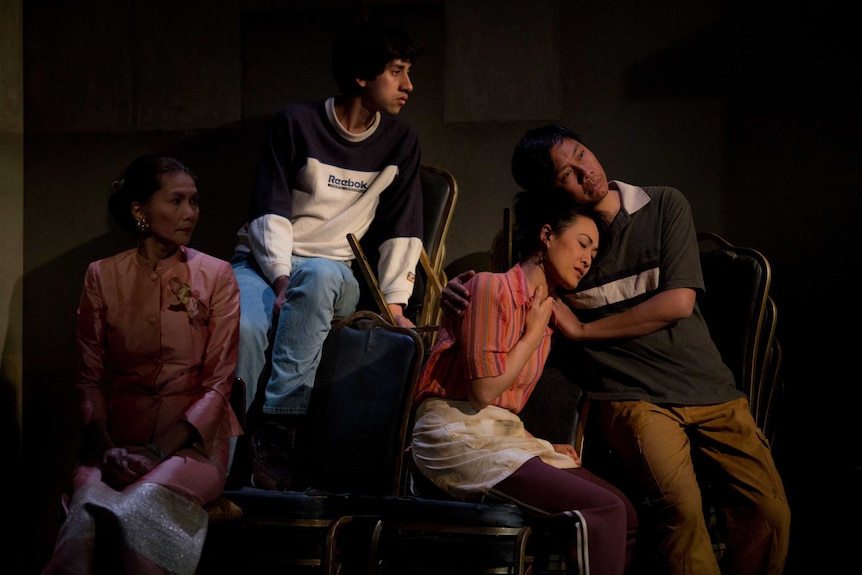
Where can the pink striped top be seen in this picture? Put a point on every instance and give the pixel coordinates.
(476, 344)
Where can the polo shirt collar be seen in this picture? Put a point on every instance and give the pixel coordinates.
(632, 197)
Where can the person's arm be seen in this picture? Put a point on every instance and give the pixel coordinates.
(279, 287)
(396, 274)
(482, 391)
(680, 279)
(398, 313)
(270, 231)
(649, 316)
(270, 238)
(91, 376)
(562, 448)
(497, 337)
(97, 445)
(398, 223)
(201, 421)
(203, 418)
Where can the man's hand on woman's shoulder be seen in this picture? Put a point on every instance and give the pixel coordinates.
(456, 295)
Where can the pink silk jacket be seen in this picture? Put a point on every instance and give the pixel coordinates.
(160, 345)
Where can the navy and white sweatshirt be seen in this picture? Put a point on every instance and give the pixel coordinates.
(315, 182)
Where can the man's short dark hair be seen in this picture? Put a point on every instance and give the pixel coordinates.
(362, 51)
(532, 166)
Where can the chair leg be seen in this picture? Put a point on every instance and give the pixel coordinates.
(520, 551)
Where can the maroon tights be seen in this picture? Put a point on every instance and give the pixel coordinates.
(604, 539)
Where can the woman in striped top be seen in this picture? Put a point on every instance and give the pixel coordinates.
(468, 438)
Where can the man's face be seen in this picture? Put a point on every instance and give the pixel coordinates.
(578, 172)
(388, 92)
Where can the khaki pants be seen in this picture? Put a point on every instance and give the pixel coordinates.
(660, 446)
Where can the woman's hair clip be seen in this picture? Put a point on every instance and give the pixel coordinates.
(117, 185)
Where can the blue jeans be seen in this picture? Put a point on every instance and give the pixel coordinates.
(319, 291)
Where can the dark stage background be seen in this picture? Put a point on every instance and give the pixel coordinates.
(751, 109)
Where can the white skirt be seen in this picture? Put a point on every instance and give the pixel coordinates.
(466, 452)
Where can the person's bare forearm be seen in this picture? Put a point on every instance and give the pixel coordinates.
(647, 317)
(483, 391)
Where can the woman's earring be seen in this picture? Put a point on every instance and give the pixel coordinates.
(143, 226)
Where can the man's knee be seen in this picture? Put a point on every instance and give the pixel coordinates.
(320, 270)
(320, 278)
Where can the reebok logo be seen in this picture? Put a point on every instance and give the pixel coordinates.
(347, 184)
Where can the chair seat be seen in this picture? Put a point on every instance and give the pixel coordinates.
(291, 532)
(222, 509)
(439, 536)
(259, 504)
(453, 513)
(419, 534)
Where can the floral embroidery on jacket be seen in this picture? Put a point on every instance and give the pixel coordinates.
(182, 297)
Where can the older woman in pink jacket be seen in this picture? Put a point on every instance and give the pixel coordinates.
(157, 336)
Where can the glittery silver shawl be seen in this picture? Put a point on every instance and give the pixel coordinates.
(149, 519)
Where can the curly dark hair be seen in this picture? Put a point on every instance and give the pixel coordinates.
(362, 51)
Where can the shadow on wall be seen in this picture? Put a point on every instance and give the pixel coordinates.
(476, 261)
(50, 438)
(223, 161)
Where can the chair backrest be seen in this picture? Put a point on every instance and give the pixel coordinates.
(773, 394)
(502, 256)
(439, 193)
(760, 392)
(770, 385)
(360, 407)
(737, 281)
